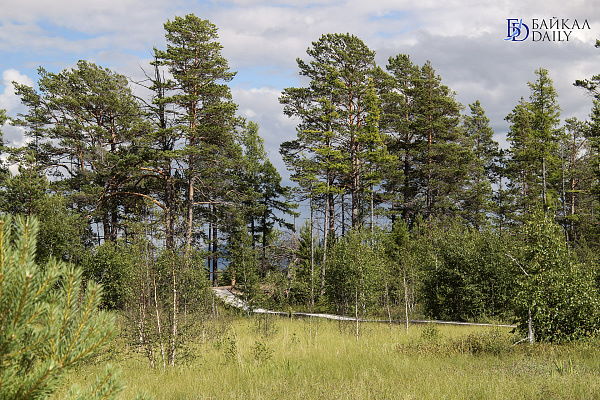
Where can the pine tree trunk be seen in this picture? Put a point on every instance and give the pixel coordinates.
(312, 257)
(405, 298)
(326, 232)
(263, 261)
(215, 250)
(189, 217)
(355, 184)
(174, 315)
(406, 188)
(429, 196)
(355, 199)
(372, 212)
(331, 204)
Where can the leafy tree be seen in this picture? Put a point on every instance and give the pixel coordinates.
(401, 276)
(305, 269)
(354, 272)
(243, 267)
(111, 264)
(466, 274)
(49, 323)
(556, 299)
(63, 234)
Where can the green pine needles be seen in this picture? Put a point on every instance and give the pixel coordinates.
(49, 322)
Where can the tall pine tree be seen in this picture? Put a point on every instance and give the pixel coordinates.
(535, 135)
(477, 201)
(202, 105)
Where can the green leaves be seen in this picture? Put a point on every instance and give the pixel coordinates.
(465, 273)
(561, 295)
(355, 267)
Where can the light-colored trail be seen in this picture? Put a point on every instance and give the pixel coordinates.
(228, 297)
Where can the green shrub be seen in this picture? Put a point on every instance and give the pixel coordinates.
(261, 351)
(111, 265)
(430, 333)
(491, 342)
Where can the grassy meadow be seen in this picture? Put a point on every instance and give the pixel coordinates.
(278, 358)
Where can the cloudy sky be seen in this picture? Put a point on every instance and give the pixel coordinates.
(262, 39)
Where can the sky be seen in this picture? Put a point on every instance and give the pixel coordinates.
(464, 40)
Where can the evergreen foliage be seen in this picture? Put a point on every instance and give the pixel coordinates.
(49, 321)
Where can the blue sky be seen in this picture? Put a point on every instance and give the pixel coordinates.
(262, 39)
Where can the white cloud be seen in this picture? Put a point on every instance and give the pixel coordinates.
(11, 102)
(8, 99)
(262, 106)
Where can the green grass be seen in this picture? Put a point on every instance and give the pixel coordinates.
(317, 359)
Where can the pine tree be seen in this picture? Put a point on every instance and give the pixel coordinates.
(49, 323)
(338, 137)
(85, 127)
(396, 92)
(576, 179)
(593, 137)
(482, 174)
(534, 135)
(592, 85)
(422, 120)
(202, 108)
(267, 201)
(444, 153)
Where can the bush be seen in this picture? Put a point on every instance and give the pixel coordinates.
(111, 265)
(491, 342)
(466, 274)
